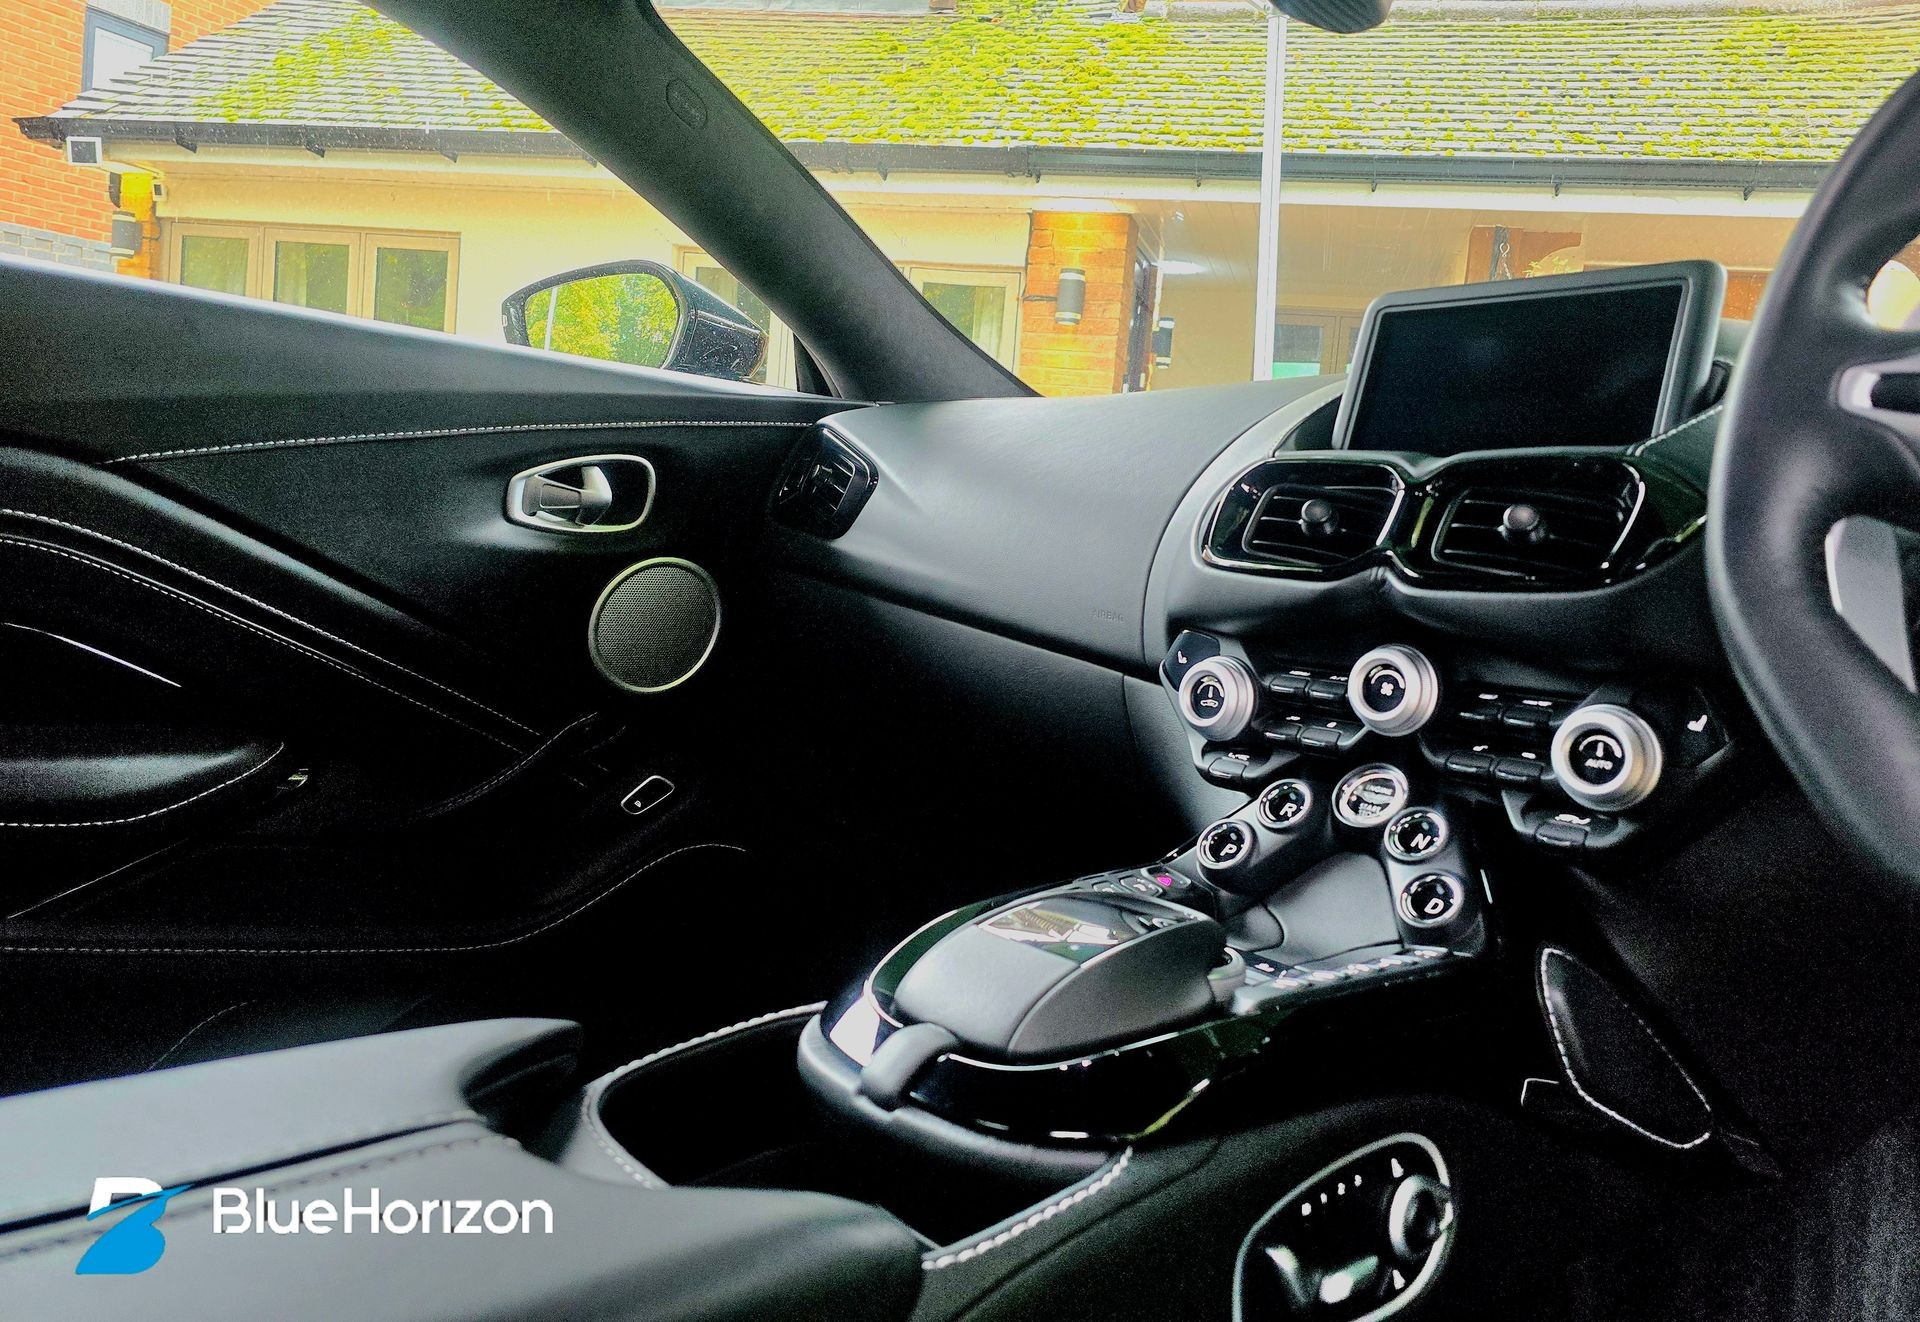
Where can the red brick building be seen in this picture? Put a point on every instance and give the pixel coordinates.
(52, 51)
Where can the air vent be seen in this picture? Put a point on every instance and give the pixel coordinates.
(1566, 525)
(1320, 514)
(824, 485)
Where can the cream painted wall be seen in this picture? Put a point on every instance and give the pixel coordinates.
(515, 230)
(519, 220)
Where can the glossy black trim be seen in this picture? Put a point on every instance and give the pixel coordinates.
(1122, 1093)
(1667, 511)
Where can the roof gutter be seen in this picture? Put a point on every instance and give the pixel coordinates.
(1029, 162)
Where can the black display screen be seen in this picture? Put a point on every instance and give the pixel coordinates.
(1580, 367)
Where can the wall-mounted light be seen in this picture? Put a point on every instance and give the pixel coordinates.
(1163, 342)
(1072, 298)
(128, 236)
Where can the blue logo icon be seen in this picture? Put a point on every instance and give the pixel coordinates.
(135, 1242)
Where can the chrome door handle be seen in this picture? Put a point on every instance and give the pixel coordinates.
(594, 493)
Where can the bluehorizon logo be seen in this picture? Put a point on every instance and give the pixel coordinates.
(135, 1243)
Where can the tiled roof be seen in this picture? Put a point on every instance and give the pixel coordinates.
(1753, 86)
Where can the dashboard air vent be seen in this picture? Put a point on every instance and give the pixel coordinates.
(1564, 528)
(823, 486)
(1320, 514)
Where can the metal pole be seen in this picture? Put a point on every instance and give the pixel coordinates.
(1267, 285)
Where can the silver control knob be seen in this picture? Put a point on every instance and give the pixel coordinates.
(1418, 1214)
(1606, 757)
(1394, 690)
(1218, 696)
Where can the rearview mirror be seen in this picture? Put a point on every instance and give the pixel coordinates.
(635, 312)
(1337, 15)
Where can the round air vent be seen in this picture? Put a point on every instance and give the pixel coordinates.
(654, 625)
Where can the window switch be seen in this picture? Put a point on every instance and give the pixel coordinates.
(647, 795)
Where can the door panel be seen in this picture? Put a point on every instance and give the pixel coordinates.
(260, 557)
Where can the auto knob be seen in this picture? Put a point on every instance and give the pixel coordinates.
(1606, 757)
(1394, 690)
(1218, 697)
(1418, 1213)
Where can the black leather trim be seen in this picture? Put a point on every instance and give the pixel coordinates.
(409, 1114)
(98, 777)
(1615, 1062)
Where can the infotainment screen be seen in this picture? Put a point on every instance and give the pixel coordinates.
(1602, 358)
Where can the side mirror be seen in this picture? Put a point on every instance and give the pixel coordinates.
(641, 313)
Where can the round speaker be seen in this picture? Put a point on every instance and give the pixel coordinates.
(655, 624)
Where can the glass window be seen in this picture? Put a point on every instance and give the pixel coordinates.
(215, 261)
(407, 279)
(312, 275)
(112, 47)
(1035, 135)
(982, 305)
(410, 285)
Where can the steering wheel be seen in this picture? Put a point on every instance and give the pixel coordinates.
(1822, 423)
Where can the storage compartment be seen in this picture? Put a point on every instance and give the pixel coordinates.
(731, 1111)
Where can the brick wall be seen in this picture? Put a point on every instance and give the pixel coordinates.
(1091, 358)
(40, 52)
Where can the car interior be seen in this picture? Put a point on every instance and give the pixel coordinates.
(908, 847)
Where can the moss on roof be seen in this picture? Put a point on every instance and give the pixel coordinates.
(1782, 86)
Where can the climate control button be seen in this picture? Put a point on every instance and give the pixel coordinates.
(1393, 690)
(1218, 697)
(1606, 757)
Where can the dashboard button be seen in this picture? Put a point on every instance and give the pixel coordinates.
(1188, 651)
(1218, 697)
(1328, 692)
(1526, 716)
(1470, 764)
(1284, 804)
(1415, 834)
(1432, 899)
(1283, 733)
(1394, 690)
(1370, 795)
(1226, 844)
(1518, 771)
(1289, 684)
(1606, 757)
(1483, 709)
(1384, 687)
(1561, 835)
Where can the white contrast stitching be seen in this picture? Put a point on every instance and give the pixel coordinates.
(237, 622)
(443, 431)
(285, 615)
(162, 1058)
(462, 799)
(1697, 418)
(1566, 1061)
(366, 950)
(157, 812)
(590, 1110)
(1044, 1214)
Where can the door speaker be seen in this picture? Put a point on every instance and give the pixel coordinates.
(655, 624)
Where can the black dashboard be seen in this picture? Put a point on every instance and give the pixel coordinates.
(1143, 534)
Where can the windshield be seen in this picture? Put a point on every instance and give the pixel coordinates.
(1082, 187)
(1098, 164)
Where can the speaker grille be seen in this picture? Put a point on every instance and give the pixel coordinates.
(654, 625)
